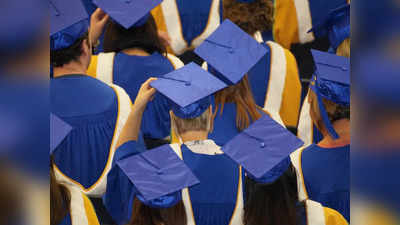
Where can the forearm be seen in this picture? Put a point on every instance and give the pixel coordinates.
(131, 130)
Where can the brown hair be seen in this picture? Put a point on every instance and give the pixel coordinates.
(251, 17)
(10, 200)
(247, 110)
(344, 48)
(117, 38)
(144, 215)
(335, 111)
(60, 199)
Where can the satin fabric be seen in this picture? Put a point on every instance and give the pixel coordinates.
(326, 173)
(129, 73)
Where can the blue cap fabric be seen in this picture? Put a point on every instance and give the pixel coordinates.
(231, 52)
(189, 90)
(58, 131)
(263, 149)
(69, 22)
(331, 81)
(128, 13)
(158, 176)
(336, 26)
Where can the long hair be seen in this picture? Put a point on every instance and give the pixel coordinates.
(144, 215)
(60, 199)
(272, 204)
(247, 110)
(145, 37)
(335, 111)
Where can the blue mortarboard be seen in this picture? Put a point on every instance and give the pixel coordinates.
(158, 176)
(231, 52)
(263, 149)
(189, 89)
(331, 81)
(69, 21)
(336, 25)
(58, 131)
(128, 13)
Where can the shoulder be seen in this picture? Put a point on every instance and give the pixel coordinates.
(175, 61)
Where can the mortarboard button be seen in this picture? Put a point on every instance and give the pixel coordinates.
(188, 89)
(157, 173)
(236, 54)
(263, 146)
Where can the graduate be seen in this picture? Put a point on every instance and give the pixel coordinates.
(134, 53)
(218, 199)
(337, 28)
(96, 110)
(230, 59)
(324, 168)
(263, 151)
(188, 23)
(275, 80)
(69, 206)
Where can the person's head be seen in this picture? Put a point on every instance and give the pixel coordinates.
(272, 203)
(344, 48)
(145, 37)
(145, 215)
(202, 123)
(240, 94)
(79, 53)
(251, 17)
(335, 112)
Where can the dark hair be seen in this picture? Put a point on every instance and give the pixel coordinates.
(251, 17)
(144, 215)
(60, 199)
(240, 94)
(10, 199)
(117, 38)
(274, 203)
(66, 55)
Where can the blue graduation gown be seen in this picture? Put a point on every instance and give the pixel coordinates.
(326, 173)
(130, 72)
(225, 125)
(214, 199)
(92, 108)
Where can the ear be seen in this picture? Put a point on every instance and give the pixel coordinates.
(86, 49)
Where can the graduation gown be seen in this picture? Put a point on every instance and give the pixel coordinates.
(323, 175)
(294, 18)
(306, 129)
(130, 72)
(217, 200)
(188, 22)
(97, 112)
(275, 83)
(81, 209)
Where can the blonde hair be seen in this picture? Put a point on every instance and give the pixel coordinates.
(201, 123)
(344, 48)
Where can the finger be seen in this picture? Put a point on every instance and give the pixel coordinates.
(148, 81)
(105, 19)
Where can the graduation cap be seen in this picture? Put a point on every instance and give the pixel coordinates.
(331, 81)
(158, 176)
(263, 149)
(128, 13)
(69, 22)
(230, 52)
(189, 89)
(58, 131)
(336, 25)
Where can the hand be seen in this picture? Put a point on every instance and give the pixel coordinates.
(164, 38)
(146, 94)
(98, 21)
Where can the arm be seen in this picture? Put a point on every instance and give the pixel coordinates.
(130, 132)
